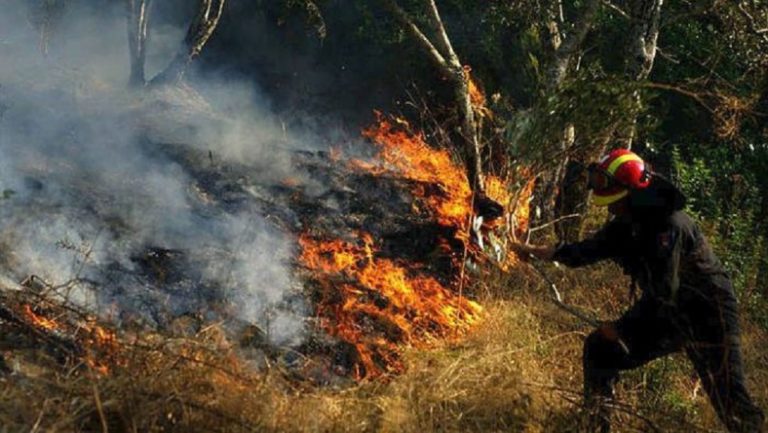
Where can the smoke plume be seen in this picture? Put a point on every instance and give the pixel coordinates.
(128, 200)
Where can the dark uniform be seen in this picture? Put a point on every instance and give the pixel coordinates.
(687, 303)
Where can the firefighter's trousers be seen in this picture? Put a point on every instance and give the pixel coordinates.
(704, 325)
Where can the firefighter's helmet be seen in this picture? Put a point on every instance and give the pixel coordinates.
(615, 174)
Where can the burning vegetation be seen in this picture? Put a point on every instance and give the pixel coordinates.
(378, 305)
(383, 252)
(71, 337)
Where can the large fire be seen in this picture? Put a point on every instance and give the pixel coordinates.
(378, 305)
(412, 158)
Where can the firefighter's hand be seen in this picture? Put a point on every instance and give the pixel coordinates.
(542, 252)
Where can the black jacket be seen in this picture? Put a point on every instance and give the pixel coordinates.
(657, 244)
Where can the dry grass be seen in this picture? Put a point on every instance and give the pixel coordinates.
(518, 371)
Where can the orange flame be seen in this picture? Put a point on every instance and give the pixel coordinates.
(380, 305)
(101, 345)
(476, 95)
(414, 159)
(39, 321)
(410, 156)
(377, 305)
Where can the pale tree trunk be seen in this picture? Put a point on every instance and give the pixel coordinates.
(644, 18)
(441, 53)
(45, 16)
(138, 35)
(643, 33)
(567, 46)
(470, 133)
(563, 49)
(573, 195)
(200, 30)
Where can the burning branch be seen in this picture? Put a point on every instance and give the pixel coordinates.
(67, 335)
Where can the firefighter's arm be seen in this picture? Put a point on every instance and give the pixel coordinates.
(542, 252)
(598, 247)
(604, 244)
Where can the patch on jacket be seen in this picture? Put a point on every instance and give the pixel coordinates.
(666, 240)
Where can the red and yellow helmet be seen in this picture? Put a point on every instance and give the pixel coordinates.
(615, 174)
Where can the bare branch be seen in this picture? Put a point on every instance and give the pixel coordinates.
(763, 33)
(677, 89)
(203, 26)
(442, 36)
(555, 221)
(453, 70)
(616, 9)
(417, 34)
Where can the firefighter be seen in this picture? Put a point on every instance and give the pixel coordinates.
(686, 301)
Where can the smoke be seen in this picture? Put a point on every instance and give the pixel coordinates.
(129, 198)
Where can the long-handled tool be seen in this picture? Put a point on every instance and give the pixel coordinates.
(557, 298)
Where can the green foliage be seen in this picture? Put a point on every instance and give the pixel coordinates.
(659, 386)
(593, 101)
(725, 188)
(313, 13)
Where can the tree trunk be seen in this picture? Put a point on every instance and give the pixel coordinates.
(573, 197)
(469, 131)
(441, 53)
(641, 48)
(138, 35)
(200, 30)
(644, 32)
(565, 49)
(561, 52)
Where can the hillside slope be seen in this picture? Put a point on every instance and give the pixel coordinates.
(518, 370)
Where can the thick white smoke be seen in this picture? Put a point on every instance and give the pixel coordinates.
(107, 186)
